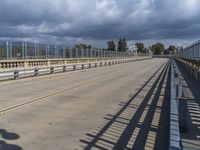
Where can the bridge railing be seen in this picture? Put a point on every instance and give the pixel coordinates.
(39, 70)
(31, 63)
(191, 52)
(190, 58)
(25, 50)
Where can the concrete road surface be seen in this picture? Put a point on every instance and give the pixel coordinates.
(114, 107)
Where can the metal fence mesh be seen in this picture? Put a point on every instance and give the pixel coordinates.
(24, 50)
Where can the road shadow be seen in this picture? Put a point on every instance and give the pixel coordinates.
(191, 91)
(141, 123)
(6, 136)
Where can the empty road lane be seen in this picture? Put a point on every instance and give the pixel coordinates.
(101, 108)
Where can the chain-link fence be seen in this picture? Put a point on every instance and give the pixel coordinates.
(24, 50)
(192, 51)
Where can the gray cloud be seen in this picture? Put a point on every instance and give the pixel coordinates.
(95, 21)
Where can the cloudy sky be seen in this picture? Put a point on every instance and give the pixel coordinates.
(96, 21)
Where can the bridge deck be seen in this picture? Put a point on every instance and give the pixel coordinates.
(115, 107)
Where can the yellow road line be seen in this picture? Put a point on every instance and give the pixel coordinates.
(42, 98)
(57, 93)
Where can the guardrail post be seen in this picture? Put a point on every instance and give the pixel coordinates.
(36, 71)
(74, 67)
(51, 70)
(16, 74)
(182, 111)
(64, 68)
(178, 85)
(82, 66)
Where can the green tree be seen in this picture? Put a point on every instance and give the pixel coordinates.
(179, 48)
(146, 50)
(119, 45)
(166, 52)
(122, 45)
(111, 45)
(89, 47)
(172, 49)
(140, 47)
(157, 48)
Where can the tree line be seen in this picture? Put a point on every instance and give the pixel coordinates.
(157, 48)
(121, 46)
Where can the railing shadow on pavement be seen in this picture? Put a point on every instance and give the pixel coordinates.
(192, 94)
(5, 136)
(126, 130)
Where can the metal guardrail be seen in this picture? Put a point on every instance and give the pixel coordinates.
(28, 63)
(15, 74)
(175, 141)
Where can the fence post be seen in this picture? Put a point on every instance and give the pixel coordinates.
(82, 50)
(7, 49)
(35, 51)
(22, 50)
(74, 67)
(10, 50)
(70, 51)
(46, 51)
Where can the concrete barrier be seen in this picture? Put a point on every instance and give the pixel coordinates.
(42, 67)
(32, 63)
(191, 65)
